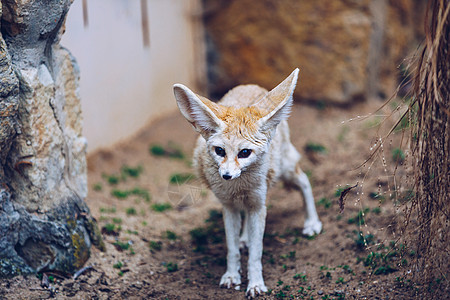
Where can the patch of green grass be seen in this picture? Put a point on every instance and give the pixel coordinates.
(143, 193)
(161, 207)
(301, 276)
(325, 202)
(132, 232)
(181, 178)
(119, 194)
(340, 280)
(347, 269)
(108, 210)
(123, 194)
(170, 235)
(117, 220)
(376, 210)
(315, 147)
(157, 150)
(171, 267)
(121, 245)
(398, 156)
(380, 263)
(132, 172)
(290, 255)
(154, 245)
(172, 151)
(118, 265)
(131, 211)
(111, 229)
(362, 241)
(111, 179)
(97, 187)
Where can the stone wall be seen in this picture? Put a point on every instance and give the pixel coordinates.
(346, 50)
(44, 223)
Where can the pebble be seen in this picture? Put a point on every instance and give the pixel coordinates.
(320, 292)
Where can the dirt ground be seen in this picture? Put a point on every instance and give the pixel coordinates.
(165, 238)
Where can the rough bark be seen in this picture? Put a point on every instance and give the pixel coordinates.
(44, 223)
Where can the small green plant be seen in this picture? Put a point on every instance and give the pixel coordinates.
(347, 269)
(171, 267)
(380, 263)
(290, 255)
(132, 172)
(325, 202)
(171, 151)
(161, 207)
(143, 193)
(170, 235)
(157, 150)
(398, 156)
(362, 241)
(314, 147)
(111, 179)
(108, 210)
(340, 280)
(280, 295)
(118, 265)
(301, 276)
(117, 220)
(110, 229)
(181, 178)
(154, 245)
(120, 194)
(376, 210)
(131, 211)
(121, 245)
(97, 187)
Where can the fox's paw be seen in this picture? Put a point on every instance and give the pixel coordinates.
(255, 288)
(312, 226)
(230, 279)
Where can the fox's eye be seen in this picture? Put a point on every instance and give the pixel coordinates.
(220, 151)
(244, 153)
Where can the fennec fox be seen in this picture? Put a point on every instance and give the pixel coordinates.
(244, 148)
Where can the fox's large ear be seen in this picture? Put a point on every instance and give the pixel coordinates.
(198, 111)
(278, 102)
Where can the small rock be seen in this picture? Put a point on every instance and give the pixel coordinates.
(320, 292)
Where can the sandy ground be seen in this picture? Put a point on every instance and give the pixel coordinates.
(157, 252)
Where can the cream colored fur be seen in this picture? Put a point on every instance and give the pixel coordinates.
(247, 118)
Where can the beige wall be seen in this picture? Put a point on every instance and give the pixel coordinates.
(123, 84)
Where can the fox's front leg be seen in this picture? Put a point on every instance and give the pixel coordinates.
(256, 221)
(232, 221)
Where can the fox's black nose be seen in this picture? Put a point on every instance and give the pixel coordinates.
(226, 176)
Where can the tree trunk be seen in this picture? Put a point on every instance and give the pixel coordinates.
(431, 148)
(44, 223)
